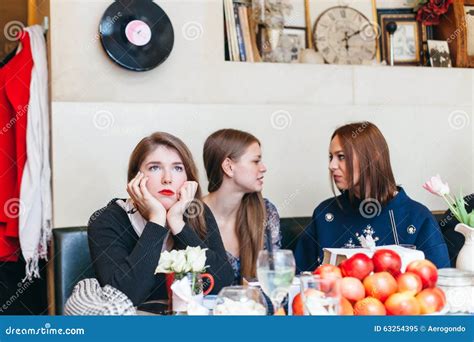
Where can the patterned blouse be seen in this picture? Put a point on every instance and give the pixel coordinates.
(272, 225)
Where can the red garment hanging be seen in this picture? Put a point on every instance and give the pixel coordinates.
(15, 79)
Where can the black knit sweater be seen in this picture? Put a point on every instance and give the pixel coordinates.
(127, 262)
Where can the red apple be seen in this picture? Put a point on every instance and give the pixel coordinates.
(388, 261)
(380, 285)
(346, 307)
(369, 306)
(441, 293)
(298, 305)
(327, 270)
(426, 270)
(358, 266)
(409, 282)
(402, 304)
(430, 301)
(352, 289)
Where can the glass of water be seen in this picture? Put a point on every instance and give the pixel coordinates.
(275, 272)
(320, 296)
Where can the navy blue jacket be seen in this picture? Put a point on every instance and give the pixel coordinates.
(333, 227)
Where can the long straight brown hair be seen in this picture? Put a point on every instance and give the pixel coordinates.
(365, 141)
(251, 215)
(149, 144)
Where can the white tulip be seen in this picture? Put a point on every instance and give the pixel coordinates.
(164, 264)
(196, 258)
(179, 263)
(436, 186)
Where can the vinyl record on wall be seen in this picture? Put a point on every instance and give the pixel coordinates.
(136, 34)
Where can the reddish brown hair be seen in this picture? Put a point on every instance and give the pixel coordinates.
(365, 141)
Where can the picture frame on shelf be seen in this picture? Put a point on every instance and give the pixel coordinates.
(457, 28)
(469, 14)
(439, 54)
(392, 4)
(410, 38)
(295, 38)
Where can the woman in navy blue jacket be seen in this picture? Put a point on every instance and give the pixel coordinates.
(369, 204)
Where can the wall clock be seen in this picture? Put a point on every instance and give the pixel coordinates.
(344, 35)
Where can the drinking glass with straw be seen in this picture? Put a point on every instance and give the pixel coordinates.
(275, 272)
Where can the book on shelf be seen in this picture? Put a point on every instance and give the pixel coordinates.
(240, 35)
(231, 31)
(244, 24)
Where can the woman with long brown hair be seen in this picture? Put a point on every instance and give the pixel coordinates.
(127, 236)
(244, 219)
(370, 204)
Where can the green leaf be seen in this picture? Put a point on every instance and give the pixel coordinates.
(460, 206)
(470, 221)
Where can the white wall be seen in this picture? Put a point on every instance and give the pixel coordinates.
(100, 111)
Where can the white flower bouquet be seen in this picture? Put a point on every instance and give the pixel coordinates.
(191, 259)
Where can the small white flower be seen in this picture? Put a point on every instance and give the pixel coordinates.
(164, 264)
(179, 262)
(196, 258)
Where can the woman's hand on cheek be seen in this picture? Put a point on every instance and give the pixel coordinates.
(148, 206)
(175, 214)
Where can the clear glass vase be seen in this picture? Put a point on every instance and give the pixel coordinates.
(196, 282)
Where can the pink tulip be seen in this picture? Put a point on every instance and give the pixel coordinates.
(436, 186)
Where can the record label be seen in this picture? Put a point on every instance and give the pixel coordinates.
(138, 32)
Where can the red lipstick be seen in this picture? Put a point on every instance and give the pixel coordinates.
(167, 192)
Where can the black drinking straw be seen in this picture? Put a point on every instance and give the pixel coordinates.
(271, 262)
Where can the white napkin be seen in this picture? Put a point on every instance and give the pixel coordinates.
(184, 301)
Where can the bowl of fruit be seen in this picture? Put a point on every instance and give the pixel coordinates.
(377, 286)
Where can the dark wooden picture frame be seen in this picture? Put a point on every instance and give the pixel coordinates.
(452, 28)
(403, 16)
